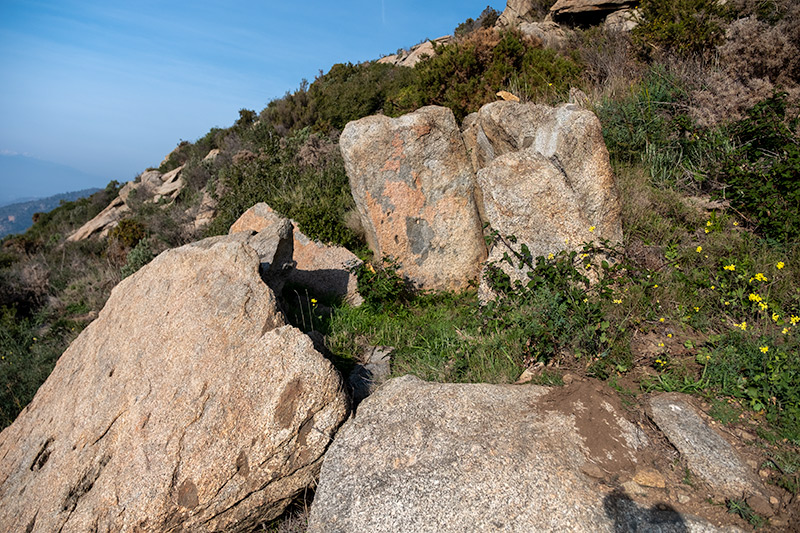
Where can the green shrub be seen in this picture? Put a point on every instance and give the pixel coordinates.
(467, 74)
(682, 27)
(140, 255)
(761, 174)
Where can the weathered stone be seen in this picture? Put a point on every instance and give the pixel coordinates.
(187, 405)
(416, 53)
(432, 457)
(544, 177)
(413, 187)
(516, 13)
(708, 454)
(550, 33)
(623, 20)
(587, 11)
(101, 224)
(255, 219)
(325, 269)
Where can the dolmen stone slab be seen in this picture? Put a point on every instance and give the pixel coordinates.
(413, 186)
(431, 457)
(326, 270)
(187, 405)
(708, 454)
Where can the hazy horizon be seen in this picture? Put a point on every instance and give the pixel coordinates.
(108, 90)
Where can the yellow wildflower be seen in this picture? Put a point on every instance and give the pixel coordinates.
(617, 301)
(661, 319)
(780, 265)
(591, 228)
(708, 223)
(713, 287)
(550, 256)
(764, 349)
(706, 230)
(761, 277)
(699, 249)
(730, 267)
(754, 297)
(735, 223)
(669, 335)
(696, 309)
(775, 317)
(763, 306)
(794, 319)
(742, 326)
(785, 331)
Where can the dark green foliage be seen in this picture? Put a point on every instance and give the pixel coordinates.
(682, 27)
(140, 255)
(763, 173)
(383, 285)
(27, 356)
(467, 74)
(302, 177)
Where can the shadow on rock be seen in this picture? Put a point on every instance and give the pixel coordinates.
(629, 517)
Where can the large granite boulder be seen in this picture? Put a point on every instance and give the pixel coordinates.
(325, 270)
(518, 12)
(187, 405)
(413, 186)
(430, 457)
(543, 176)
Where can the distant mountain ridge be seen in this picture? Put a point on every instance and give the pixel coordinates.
(24, 178)
(18, 217)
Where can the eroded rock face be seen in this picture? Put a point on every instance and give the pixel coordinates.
(413, 186)
(186, 405)
(516, 13)
(588, 11)
(433, 457)
(544, 177)
(324, 269)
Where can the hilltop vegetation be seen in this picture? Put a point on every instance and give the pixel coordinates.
(703, 296)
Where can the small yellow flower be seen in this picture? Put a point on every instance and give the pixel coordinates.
(550, 256)
(780, 265)
(763, 306)
(661, 319)
(761, 277)
(708, 223)
(764, 349)
(735, 223)
(591, 228)
(730, 267)
(785, 331)
(617, 301)
(775, 317)
(669, 335)
(655, 286)
(585, 300)
(713, 287)
(727, 302)
(661, 344)
(699, 249)
(794, 319)
(696, 309)
(742, 326)
(706, 230)
(313, 300)
(754, 297)
(35, 339)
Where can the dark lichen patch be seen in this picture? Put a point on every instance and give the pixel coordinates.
(187, 494)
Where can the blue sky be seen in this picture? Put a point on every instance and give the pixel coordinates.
(109, 88)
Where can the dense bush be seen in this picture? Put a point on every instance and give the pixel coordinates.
(467, 74)
(682, 27)
(761, 174)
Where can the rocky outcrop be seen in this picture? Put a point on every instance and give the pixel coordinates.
(544, 177)
(549, 33)
(413, 186)
(416, 53)
(587, 11)
(516, 13)
(431, 457)
(325, 270)
(187, 405)
(151, 186)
